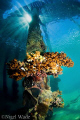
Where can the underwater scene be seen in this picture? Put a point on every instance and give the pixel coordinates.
(40, 59)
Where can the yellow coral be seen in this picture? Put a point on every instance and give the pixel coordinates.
(50, 63)
(47, 99)
(51, 99)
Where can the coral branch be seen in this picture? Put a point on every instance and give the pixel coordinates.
(48, 64)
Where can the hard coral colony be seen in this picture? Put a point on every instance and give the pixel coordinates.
(38, 65)
(35, 69)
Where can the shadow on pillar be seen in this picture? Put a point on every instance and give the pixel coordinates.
(54, 84)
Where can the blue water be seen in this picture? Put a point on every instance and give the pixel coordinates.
(64, 36)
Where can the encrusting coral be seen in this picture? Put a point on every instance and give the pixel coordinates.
(50, 98)
(48, 64)
(15, 71)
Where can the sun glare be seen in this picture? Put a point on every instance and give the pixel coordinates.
(28, 18)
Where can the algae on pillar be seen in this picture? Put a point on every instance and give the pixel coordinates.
(35, 40)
